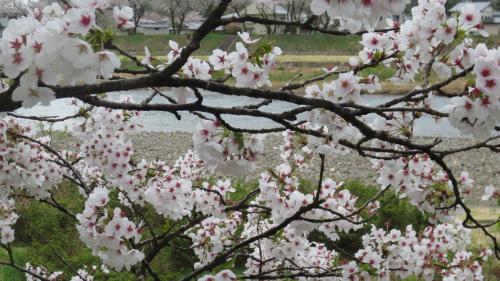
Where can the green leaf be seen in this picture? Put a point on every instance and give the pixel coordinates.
(261, 50)
(99, 38)
(378, 55)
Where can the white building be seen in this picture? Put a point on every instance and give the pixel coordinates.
(149, 26)
(157, 24)
(275, 12)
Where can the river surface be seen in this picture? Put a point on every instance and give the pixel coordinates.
(166, 122)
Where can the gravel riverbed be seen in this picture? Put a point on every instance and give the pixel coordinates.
(482, 164)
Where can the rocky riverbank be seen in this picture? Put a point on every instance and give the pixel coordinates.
(482, 164)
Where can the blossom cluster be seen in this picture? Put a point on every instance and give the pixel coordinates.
(33, 272)
(25, 165)
(8, 218)
(105, 148)
(176, 191)
(356, 14)
(282, 195)
(417, 179)
(346, 88)
(107, 234)
(225, 151)
(294, 152)
(170, 196)
(421, 42)
(45, 48)
(249, 70)
(211, 237)
(190, 166)
(225, 275)
(408, 254)
(42, 272)
(171, 190)
(478, 111)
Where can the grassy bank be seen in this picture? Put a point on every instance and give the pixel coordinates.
(302, 44)
(309, 66)
(314, 44)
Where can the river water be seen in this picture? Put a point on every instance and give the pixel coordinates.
(166, 122)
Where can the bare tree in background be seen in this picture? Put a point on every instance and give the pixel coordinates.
(205, 7)
(296, 10)
(325, 21)
(139, 7)
(11, 8)
(238, 6)
(496, 4)
(268, 12)
(177, 11)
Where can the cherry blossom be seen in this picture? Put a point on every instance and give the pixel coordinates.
(147, 58)
(80, 21)
(245, 37)
(31, 96)
(7, 220)
(107, 62)
(175, 51)
(197, 69)
(490, 192)
(213, 234)
(373, 40)
(240, 55)
(225, 152)
(123, 16)
(40, 271)
(170, 197)
(355, 14)
(469, 16)
(225, 275)
(105, 239)
(78, 52)
(16, 61)
(219, 60)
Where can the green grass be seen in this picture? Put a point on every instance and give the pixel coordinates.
(8, 273)
(314, 44)
(302, 44)
(158, 44)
